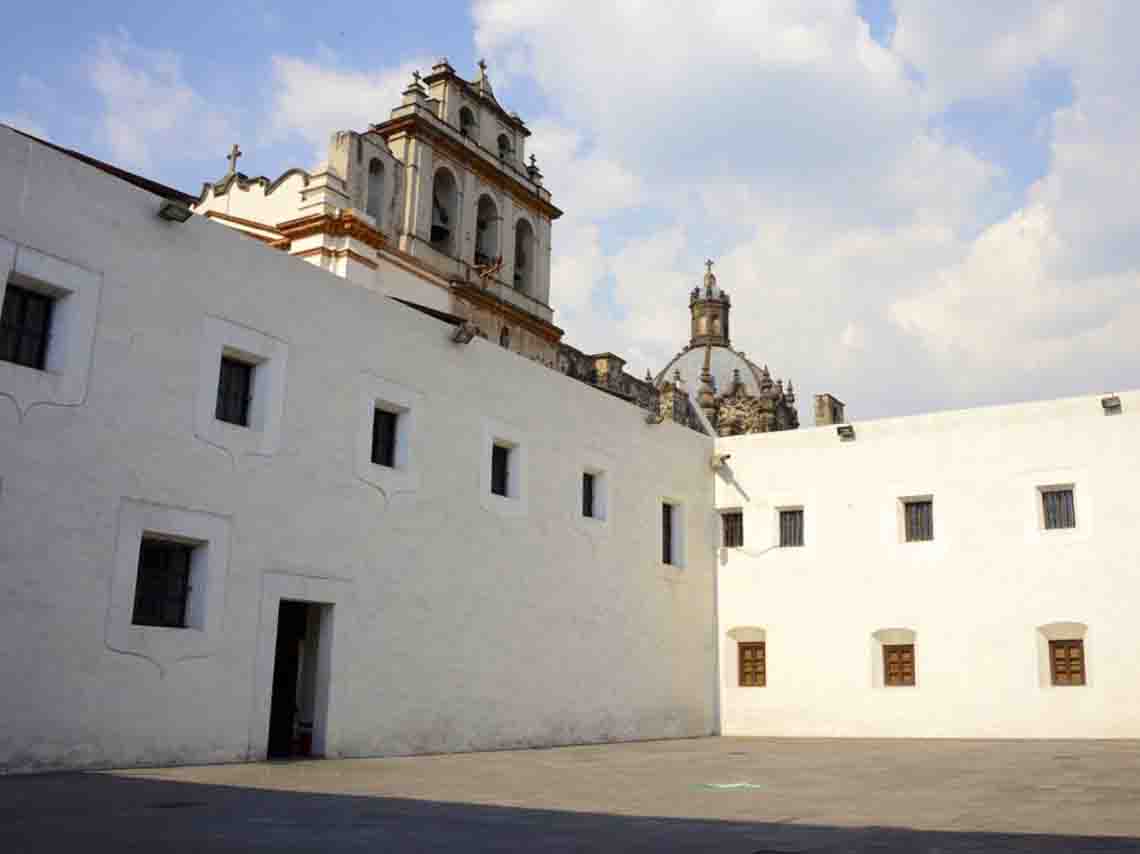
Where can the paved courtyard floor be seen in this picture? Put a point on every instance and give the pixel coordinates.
(739, 795)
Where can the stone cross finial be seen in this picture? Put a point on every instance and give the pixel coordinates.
(482, 66)
(235, 153)
(532, 163)
(416, 77)
(708, 265)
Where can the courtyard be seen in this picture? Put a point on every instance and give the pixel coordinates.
(746, 795)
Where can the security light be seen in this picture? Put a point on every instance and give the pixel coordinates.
(1111, 404)
(174, 211)
(846, 432)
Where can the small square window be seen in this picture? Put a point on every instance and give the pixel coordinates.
(384, 437)
(791, 528)
(163, 584)
(1067, 662)
(732, 529)
(500, 469)
(588, 480)
(918, 520)
(25, 326)
(235, 391)
(1058, 509)
(753, 671)
(898, 664)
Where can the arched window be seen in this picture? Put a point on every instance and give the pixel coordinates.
(504, 146)
(444, 211)
(486, 232)
(374, 200)
(505, 338)
(524, 256)
(466, 121)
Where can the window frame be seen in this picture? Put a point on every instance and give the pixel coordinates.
(1055, 644)
(230, 365)
(780, 528)
(737, 528)
(167, 547)
(385, 443)
(760, 680)
(910, 532)
(589, 494)
(1045, 493)
(25, 296)
(900, 649)
(515, 502)
(501, 454)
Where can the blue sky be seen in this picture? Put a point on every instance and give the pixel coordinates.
(914, 206)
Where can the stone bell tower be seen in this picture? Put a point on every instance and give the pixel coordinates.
(709, 307)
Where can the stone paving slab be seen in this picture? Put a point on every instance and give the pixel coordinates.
(752, 796)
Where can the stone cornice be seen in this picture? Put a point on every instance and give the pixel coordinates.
(477, 296)
(342, 223)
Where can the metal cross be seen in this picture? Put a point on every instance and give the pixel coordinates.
(416, 77)
(234, 154)
(709, 265)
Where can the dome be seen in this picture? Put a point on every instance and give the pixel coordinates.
(723, 361)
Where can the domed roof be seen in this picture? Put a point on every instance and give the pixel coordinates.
(723, 362)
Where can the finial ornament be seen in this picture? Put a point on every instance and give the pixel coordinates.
(483, 66)
(416, 77)
(533, 165)
(709, 266)
(232, 157)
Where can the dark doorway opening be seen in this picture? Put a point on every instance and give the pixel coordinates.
(293, 706)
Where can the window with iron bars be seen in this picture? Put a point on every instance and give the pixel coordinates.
(918, 519)
(235, 391)
(732, 529)
(163, 583)
(25, 324)
(1058, 509)
(791, 528)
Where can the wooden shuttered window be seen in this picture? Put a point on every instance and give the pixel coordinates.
(25, 322)
(898, 664)
(753, 670)
(1067, 662)
(235, 391)
(384, 437)
(667, 533)
(791, 528)
(919, 520)
(163, 584)
(588, 494)
(500, 469)
(732, 525)
(1058, 509)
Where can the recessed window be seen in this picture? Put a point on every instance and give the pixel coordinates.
(384, 437)
(898, 665)
(753, 666)
(918, 520)
(505, 337)
(672, 534)
(235, 391)
(791, 528)
(732, 529)
(163, 584)
(1057, 508)
(588, 494)
(500, 470)
(25, 325)
(1067, 662)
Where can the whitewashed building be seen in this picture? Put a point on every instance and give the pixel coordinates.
(248, 507)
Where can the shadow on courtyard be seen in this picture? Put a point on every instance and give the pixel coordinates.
(97, 813)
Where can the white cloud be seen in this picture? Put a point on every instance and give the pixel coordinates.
(149, 111)
(315, 100)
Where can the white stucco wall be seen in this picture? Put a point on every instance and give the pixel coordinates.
(975, 597)
(454, 626)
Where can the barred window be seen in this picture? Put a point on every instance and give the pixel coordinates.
(667, 533)
(1058, 509)
(1067, 662)
(384, 437)
(25, 322)
(500, 469)
(163, 584)
(919, 520)
(898, 664)
(235, 390)
(588, 494)
(753, 664)
(732, 525)
(791, 528)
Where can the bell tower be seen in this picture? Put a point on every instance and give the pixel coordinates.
(709, 307)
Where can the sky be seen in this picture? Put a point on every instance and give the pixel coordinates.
(914, 205)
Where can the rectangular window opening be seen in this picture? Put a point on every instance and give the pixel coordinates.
(898, 664)
(732, 529)
(919, 520)
(500, 470)
(384, 437)
(753, 665)
(235, 391)
(791, 528)
(25, 326)
(163, 584)
(667, 513)
(588, 509)
(1067, 662)
(1058, 509)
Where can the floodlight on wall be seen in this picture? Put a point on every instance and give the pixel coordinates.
(719, 462)
(464, 333)
(1111, 404)
(174, 211)
(846, 432)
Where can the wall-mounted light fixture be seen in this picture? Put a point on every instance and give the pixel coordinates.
(1111, 405)
(846, 432)
(464, 332)
(719, 462)
(174, 210)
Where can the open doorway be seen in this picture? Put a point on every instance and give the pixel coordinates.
(300, 680)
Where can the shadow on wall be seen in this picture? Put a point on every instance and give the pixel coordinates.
(98, 813)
